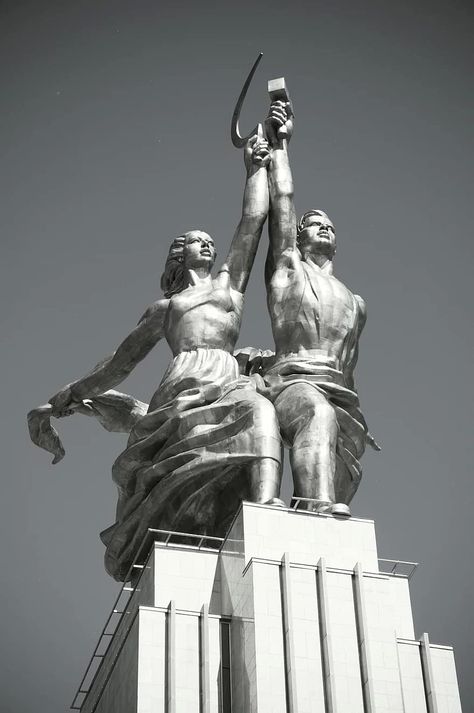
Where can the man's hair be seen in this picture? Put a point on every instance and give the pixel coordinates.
(173, 277)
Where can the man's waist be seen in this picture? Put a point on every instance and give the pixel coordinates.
(315, 356)
(312, 365)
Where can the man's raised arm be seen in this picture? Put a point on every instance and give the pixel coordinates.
(282, 218)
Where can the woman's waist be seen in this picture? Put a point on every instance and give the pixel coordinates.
(195, 333)
(196, 371)
(201, 349)
(202, 363)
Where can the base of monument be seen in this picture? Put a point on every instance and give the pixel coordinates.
(292, 614)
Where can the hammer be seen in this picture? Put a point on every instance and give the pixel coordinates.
(278, 91)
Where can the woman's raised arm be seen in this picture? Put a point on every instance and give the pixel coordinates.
(254, 213)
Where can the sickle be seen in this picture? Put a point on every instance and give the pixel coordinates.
(237, 139)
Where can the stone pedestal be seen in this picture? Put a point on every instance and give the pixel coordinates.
(291, 615)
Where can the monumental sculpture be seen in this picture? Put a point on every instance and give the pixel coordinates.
(316, 324)
(210, 436)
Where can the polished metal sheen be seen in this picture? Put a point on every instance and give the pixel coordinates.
(212, 433)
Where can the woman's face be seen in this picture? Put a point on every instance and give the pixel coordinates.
(198, 250)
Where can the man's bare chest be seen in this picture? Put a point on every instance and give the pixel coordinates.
(307, 292)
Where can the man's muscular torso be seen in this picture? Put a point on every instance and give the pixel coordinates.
(313, 313)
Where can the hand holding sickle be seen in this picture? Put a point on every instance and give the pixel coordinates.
(278, 125)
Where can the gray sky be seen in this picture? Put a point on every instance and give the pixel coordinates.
(114, 139)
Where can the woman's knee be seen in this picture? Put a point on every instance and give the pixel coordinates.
(265, 411)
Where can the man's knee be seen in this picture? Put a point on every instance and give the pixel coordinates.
(321, 412)
(311, 412)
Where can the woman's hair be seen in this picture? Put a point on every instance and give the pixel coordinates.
(173, 278)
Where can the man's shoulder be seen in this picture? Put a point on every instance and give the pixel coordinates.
(362, 308)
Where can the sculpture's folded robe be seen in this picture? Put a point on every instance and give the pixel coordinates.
(187, 462)
(353, 434)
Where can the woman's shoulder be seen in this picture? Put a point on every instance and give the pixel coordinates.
(156, 310)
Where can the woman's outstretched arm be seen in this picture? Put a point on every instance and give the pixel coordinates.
(114, 369)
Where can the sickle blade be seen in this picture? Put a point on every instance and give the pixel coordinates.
(237, 139)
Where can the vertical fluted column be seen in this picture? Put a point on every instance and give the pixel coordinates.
(288, 635)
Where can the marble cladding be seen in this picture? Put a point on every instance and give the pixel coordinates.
(314, 625)
(270, 532)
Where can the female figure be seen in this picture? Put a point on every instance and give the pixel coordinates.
(208, 440)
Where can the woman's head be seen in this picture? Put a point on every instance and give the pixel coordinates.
(190, 251)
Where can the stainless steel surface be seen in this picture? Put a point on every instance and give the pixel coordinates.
(207, 439)
(278, 91)
(237, 139)
(210, 435)
(316, 323)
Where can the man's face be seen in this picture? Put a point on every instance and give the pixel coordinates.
(198, 250)
(318, 235)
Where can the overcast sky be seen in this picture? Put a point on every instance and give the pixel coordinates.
(114, 139)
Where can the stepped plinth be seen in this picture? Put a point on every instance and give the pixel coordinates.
(293, 613)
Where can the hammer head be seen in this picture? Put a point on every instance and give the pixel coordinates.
(278, 91)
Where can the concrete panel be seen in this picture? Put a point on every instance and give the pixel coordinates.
(120, 691)
(186, 575)
(187, 664)
(445, 679)
(270, 532)
(306, 639)
(269, 640)
(381, 644)
(400, 607)
(343, 630)
(151, 661)
(411, 677)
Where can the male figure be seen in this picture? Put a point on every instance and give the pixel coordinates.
(316, 323)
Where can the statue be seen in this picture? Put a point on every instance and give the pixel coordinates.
(207, 440)
(210, 436)
(316, 324)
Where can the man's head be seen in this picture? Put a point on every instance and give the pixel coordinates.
(316, 234)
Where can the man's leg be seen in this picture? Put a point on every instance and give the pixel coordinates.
(309, 426)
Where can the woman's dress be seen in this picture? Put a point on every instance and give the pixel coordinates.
(187, 463)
